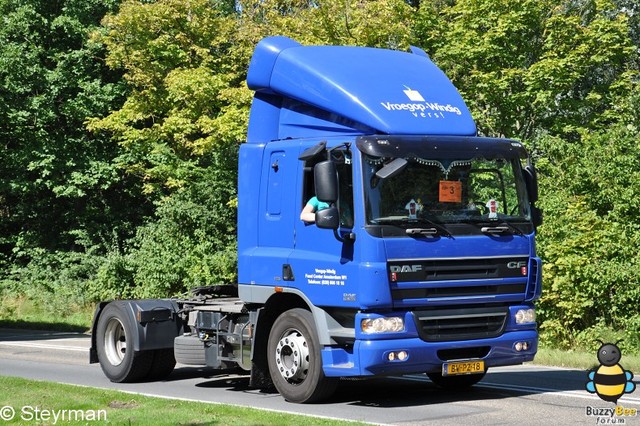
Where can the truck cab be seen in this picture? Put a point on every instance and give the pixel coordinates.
(424, 260)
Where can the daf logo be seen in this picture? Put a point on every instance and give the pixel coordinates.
(516, 265)
(406, 268)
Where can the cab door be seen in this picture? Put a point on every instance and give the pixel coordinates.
(322, 265)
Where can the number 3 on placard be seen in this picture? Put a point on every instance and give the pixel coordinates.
(450, 191)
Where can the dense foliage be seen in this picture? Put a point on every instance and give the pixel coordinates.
(120, 122)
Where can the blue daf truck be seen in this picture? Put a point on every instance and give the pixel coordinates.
(419, 256)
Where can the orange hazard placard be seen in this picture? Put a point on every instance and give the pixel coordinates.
(450, 191)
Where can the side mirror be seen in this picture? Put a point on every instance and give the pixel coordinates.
(328, 218)
(531, 181)
(326, 181)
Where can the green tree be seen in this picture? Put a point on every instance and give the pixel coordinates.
(380, 23)
(56, 180)
(63, 202)
(190, 242)
(185, 65)
(532, 67)
(187, 90)
(365, 23)
(590, 238)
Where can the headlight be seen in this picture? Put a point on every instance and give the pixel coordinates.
(524, 316)
(382, 325)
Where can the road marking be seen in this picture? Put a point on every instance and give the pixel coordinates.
(547, 391)
(529, 389)
(44, 346)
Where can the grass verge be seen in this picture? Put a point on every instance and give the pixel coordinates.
(81, 406)
(34, 324)
(581, 360)
(25, 314)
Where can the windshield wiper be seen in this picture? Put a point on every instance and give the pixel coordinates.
(501, 228)
(435, 229)
(426, 232)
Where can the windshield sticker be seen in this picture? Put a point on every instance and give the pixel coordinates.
(450, 191)
(413, 207)
(492, 205)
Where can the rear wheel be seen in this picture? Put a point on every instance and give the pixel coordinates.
(163, 363)
(455, 382)
(118, 361)
(294, 359)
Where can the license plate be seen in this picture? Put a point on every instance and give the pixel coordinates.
(462, 367)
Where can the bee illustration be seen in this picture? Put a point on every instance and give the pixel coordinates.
(610, 381)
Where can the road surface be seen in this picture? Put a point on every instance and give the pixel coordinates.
(524, 395)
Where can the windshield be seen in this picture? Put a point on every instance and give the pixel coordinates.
(431, 191)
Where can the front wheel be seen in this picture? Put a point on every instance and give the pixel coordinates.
(455, 382)
(294, 359)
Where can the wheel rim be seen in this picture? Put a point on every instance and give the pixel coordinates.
(115, 341)
(292, 356)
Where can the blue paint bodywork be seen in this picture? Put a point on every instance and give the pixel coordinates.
(305, 95)
(316, 91)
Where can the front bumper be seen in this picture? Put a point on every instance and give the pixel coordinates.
(371, 357)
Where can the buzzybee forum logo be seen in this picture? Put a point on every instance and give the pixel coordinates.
(610, 381)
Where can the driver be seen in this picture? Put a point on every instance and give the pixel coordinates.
(308, 213)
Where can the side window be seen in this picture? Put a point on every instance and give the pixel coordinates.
(342, 158)
(308, 184)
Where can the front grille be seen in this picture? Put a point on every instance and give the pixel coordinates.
(457, 269)
(440, 325)
(458, 291)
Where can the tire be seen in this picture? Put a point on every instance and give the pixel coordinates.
(295, 364)
(456, 382)
(189, 350)
(114, 343)
(163, 364)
